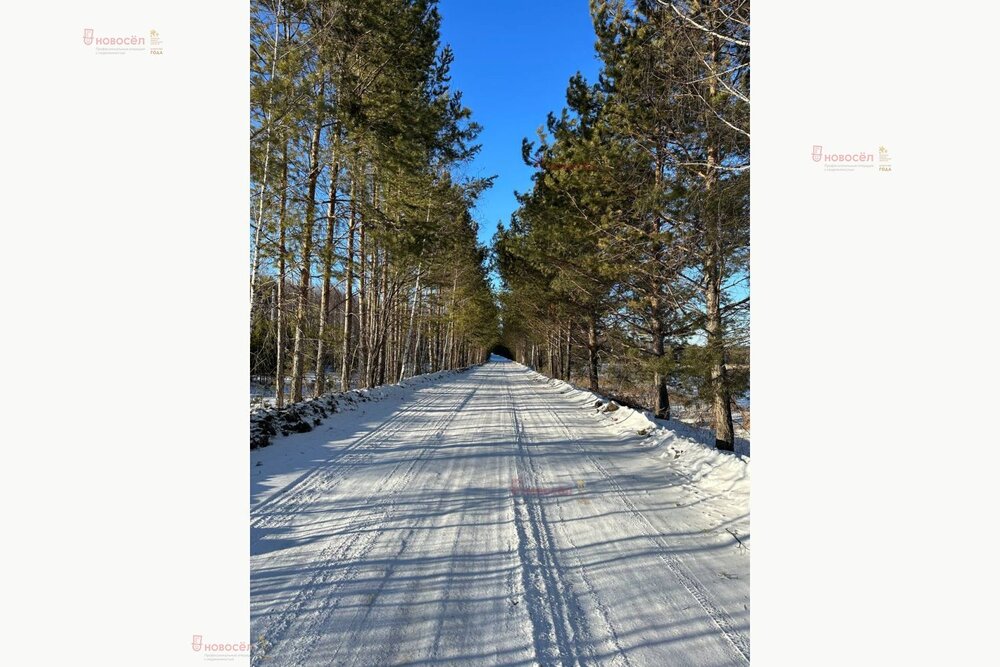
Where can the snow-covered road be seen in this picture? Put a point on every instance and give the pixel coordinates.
(490, 519)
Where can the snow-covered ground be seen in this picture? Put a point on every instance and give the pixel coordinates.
(498, 517)
(262, 393)
(690, 449)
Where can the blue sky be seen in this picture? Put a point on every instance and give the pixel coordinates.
(513, 60)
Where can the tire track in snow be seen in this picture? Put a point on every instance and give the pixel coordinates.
(305, 489)
(325, 580)
(277, 623)
(557, 624)
(673, 562)
(613, 640)
(620, 658)
(455, 473)
(306, 640)
(449, 583)
(313, 636)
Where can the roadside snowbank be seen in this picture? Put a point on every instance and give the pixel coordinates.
(303, 416)
(688, 450)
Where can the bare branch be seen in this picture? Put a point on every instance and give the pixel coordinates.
(688, 19)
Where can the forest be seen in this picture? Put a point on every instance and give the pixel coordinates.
(631, 252)
(625, 268)
(365, 264)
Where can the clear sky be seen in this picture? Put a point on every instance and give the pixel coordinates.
(513, 60)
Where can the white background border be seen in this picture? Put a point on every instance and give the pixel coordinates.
(125, 184)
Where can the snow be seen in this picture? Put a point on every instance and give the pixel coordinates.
(497, 517)
(286, 463)
(690, 450)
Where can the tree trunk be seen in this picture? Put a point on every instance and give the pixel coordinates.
(362, 300)
(380, 319)
(592, 352)
(661, 401)
(348, 352)
(568, 374)
(449, 339)
(298, 346)
(552, 361)
(371, 343)
(324, 304)
(661, 405)
(255, 268)
(416, 344)
(383, 329)
(721, 404)
(279, 380)
(409, 327)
